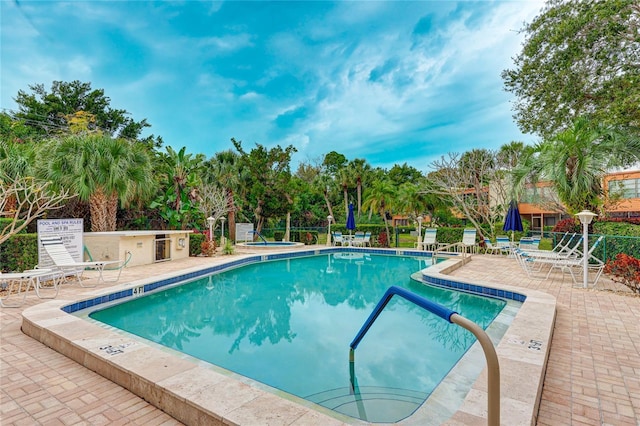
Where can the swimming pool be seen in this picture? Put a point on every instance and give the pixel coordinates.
(288, 324)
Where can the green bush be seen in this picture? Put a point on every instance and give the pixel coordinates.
(195, 244)
(19, 252)
(278, 235)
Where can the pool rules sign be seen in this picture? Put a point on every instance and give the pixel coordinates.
(71, 232)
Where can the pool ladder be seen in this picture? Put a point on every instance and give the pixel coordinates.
(493, 379)
(258, 234)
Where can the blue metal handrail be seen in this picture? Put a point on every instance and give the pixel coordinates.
(439, 310)
(493, 377)
(258, 234)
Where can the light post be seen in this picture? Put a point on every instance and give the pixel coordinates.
(222, 239)
(211, 221)
(585, 217)
(420, 219)
(329, 219)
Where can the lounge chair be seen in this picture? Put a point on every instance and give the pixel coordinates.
(337, 239)
(573, 259)
(367, 239)
(23, 281)
(490, 248)
(429, 241)
(504, 244)
(469, 240)
(64, 262)
(358, 239)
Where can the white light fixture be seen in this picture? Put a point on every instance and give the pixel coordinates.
(329, 219)
(211, 221)
(222, 238)
(420, 219)
(585, 217)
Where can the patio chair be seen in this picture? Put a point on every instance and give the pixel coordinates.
(504, 244)
(64, 262)
(469, 240)
(429, 241)
(337, 239)
(490, 248)
(570, 262)
(367, 239)
(358, 239)
(23, 281)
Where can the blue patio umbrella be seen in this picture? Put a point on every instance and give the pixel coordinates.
(513, 222)
(351, 220)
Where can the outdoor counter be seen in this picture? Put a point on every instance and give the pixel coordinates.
(146, 247)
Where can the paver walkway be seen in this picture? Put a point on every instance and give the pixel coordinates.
(593, 374)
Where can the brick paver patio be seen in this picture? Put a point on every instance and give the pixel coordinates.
(593, 373)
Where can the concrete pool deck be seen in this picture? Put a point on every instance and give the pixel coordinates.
(592, 373)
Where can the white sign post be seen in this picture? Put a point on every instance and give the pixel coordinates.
(70, 230)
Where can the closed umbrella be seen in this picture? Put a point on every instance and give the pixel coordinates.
(351, 220)
(513, 222)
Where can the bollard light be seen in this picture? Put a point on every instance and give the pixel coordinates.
(585, 217)
(329, 219)
(211, 221)
(420, 219)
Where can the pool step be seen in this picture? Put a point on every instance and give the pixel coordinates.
(372, 403)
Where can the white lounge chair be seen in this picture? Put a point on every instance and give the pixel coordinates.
(23, 281)
(358, 239)
(429, 241)
(469, 240)
(490, 248)
(337, 239)
(367, 239)
(569, 261)
(64, 262)
(504, 244)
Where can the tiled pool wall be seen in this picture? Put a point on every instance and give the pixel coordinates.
(145, 288)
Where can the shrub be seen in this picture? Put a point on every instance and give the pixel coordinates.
(208, 247)
(195, 244)
(278, 235)
(625, 269)
(568, 225)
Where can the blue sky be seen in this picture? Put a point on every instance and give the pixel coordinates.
(390, 82)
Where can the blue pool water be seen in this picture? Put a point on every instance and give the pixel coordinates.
(288, 324)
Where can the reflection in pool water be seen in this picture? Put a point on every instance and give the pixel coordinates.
(289, 323)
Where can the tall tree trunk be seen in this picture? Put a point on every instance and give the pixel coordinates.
(329, 208)
(287, 232)
(98, 211)
(359, 182)
(232, 214)
(112, 212)
(346, 201)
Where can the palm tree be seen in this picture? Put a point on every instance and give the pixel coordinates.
(359, 169)
(223, 169)
(576, 159)
(100, 170)
(380, 198)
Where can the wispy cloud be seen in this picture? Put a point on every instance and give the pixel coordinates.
(386, 81)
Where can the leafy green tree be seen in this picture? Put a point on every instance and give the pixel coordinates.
(100, 170)
(575, 161)
(361, 171)
(380, 197)
(179, 178)
(579, 57)
(267, 180)
(52, 112)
